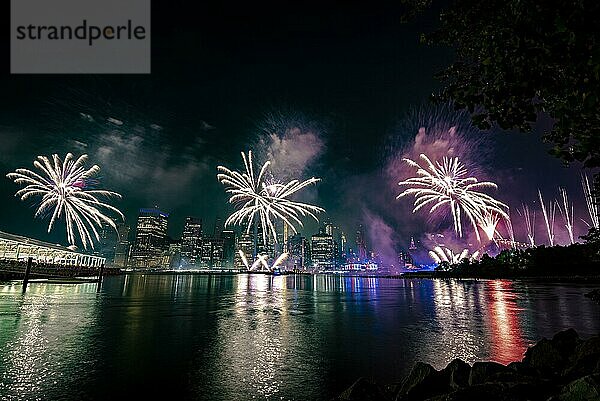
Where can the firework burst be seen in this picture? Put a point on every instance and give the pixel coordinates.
(65, 188)
(448, 184)
(262, 201)
(488, 224)
(442, 254)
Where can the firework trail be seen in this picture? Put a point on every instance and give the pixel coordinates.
(548, 217)
(447, 183)
(244, 259)
(261, 201)
(529, 217)
(439, 255)
(566, 210)
(64, 188)
(262, 262)
(591, 202)
(489, 223)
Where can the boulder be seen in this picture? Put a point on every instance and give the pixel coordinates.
(486, 392)
(364, 390)
(423, 382)
(482, 372)
(457, 373)
(586, 388)
(585, 359)
(545, 358)
(565, 342)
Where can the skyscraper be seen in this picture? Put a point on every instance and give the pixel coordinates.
(191, 241)
(228, 237)
(245, 244)
(299, 252)
(322, 250)
(150, 239)
(123, 246)
(212, 253)
(361, 247)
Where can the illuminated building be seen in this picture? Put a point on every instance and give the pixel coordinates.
(245, 244)
(150, 239)
(228, 237)
(15, 248)
(322, 250)
(191, 241)
(123, 246)
(173, 259)
(212, 253)
(361, 247)
(299, 252)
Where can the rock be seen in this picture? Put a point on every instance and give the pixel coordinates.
(417, 375)
(585, 359)
(585, 388)
(423, 382)
(523, 369)
(364, 390)
(545, 358)
(457, 372)
(487, 392)
(565, 342)
(481, 372)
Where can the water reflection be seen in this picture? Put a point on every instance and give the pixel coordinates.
(39, 338)
(263, 337)
(507, 343)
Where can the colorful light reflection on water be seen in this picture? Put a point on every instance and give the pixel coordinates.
(263, 337)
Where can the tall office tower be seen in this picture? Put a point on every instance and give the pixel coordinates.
(191, 241)
(173, 259)
(122, 247)
(218, 228)
(212, 253)
(228, 237)
(264, 244)
(150, 239)
(299, 252)
(322, 250)
(245, 244)
(361, 246)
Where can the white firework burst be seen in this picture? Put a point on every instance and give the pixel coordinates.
(447, 183)
(66, 189)
(442, 254)
(262, 202)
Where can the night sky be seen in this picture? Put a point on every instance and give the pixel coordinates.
(220, 73)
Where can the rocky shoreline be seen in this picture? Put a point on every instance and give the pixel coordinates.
(565, 368)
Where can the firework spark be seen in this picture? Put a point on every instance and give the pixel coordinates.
(442, 254)
(262, 201)
(592, 203)
(549, 215)
(529, 217)
(447, 183)
(64, 188)
(566, 210)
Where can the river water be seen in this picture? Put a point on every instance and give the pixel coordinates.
(245, 337)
